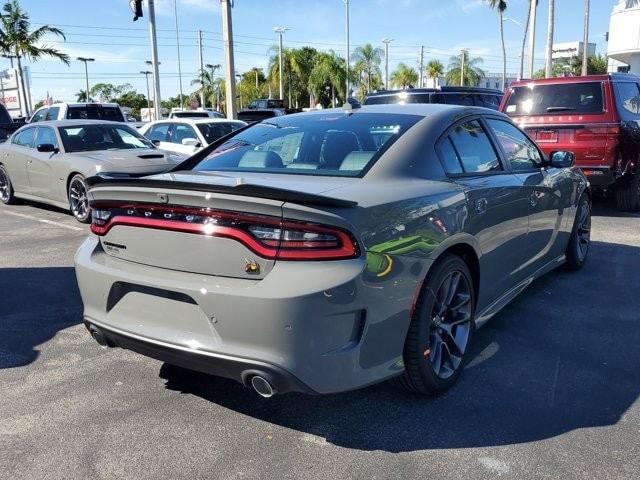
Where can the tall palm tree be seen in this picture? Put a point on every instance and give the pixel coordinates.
(501, 6)
(367, 59)
(404, 76)
(328, 73)
(210, 84)
(17, 39)
(472, 72)
(434, 70)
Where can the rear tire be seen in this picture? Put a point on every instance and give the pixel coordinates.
(441, 329)
(78, 201)
(628, 194)
(6, 189)
(580, 239)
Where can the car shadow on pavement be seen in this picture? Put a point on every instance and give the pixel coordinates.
(35, 303)
(563, 356)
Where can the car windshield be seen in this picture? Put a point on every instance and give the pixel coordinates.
(95, 112)
(559, 98)
(190, 115)
(334, 144)
(89, 138)
(213, 131)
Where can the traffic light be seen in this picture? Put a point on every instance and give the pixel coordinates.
(136, 8)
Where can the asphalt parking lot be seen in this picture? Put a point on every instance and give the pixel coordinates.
(551, 390)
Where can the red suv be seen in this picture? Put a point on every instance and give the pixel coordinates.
(597, 117)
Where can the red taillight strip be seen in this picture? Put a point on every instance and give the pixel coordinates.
(271, 249)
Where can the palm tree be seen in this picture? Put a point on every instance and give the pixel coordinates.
(367, 59)
(404, 76)
(472, 72)
(501, 6)
(435, 69)
(81, 96)
(210, 85)
(328, 73)
(16, 39)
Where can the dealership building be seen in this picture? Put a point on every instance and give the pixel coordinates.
(624, 37)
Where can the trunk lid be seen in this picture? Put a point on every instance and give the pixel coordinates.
(195, 221)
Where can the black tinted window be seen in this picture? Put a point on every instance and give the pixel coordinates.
(95, 112)
(474, 148)
(628, 97)
(561, 98)
(401, 98)
(488, 101)
(449, 157)
(213, 131)
(454, 98)
(4, 115)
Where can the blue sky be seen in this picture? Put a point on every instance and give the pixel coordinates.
(103, 29)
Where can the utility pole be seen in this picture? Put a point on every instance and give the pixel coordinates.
(462, 60)
(146, 74)
(585, 40)
(421, 81)
(175, 10)
(548, 66)
(280, 31)
(532, 36)
(346, 13)
(386, 42)
(202, 101)
(86, 60)
(154, 59)
(227, 39)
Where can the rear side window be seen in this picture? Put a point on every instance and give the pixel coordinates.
(46, 135)
(628, 97)
(25, 137)
(95, 112)
(519, 151)
(159, 132)
(472, 148)
(560, 98)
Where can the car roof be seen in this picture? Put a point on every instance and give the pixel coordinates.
(81, 104)
(579, 79)
(421, 109)
(446, 89)
(73, 123)
(194, 120)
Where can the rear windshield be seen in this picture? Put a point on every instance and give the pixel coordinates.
(334, 144)
(95, 112)
(400, 98)
(558, 98)
(190, 115)
(213, 131)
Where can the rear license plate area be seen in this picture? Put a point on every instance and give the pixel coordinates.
(547, 136)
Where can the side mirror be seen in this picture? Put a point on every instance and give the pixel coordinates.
(156, 142)
(562, 159)
(190, 142)
(47, 148)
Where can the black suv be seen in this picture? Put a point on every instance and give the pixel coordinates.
(472, 96)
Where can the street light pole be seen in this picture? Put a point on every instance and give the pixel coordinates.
(150, 63)
(346, 12)
(175, 10)
(154, 59)
(280, 31)
(532, 36)
(146, 74)
(421, 66)
(86, 60)
(386, 42)
(227, 38)
(585, 40)
(202, 102)
(462, 60)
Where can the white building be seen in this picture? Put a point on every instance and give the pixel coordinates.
(491, 80)
(624, 36)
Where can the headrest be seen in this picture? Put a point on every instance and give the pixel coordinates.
(260, 159)
(356, 160)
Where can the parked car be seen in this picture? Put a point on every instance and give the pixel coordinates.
(79, 111)
(470, 96)
(326, 251)
(597, 117)
(7, 124)
(258, 115)
(49, 162)
(266, 103)
(186, 136)
(207, 113)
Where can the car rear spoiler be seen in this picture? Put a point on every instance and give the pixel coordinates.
(243, 189)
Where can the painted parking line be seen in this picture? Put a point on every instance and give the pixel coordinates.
(43, 220)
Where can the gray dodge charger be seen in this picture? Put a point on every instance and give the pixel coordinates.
(326, 251)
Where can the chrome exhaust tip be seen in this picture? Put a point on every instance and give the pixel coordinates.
(262, 386)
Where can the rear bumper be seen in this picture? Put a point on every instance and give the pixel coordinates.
(239, 369)
(318, 327)
(598, 176)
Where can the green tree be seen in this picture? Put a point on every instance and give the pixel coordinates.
(596, 65)
(174, 102)
(404, 76)
(108, 92)
(434, 70)
(367, 60)
(17, 39)
(500, 6)
(81, 96)
(472, 72)
(252, 85)
(327, 79)
(297, 67)
(211, 85)
(134, 100)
